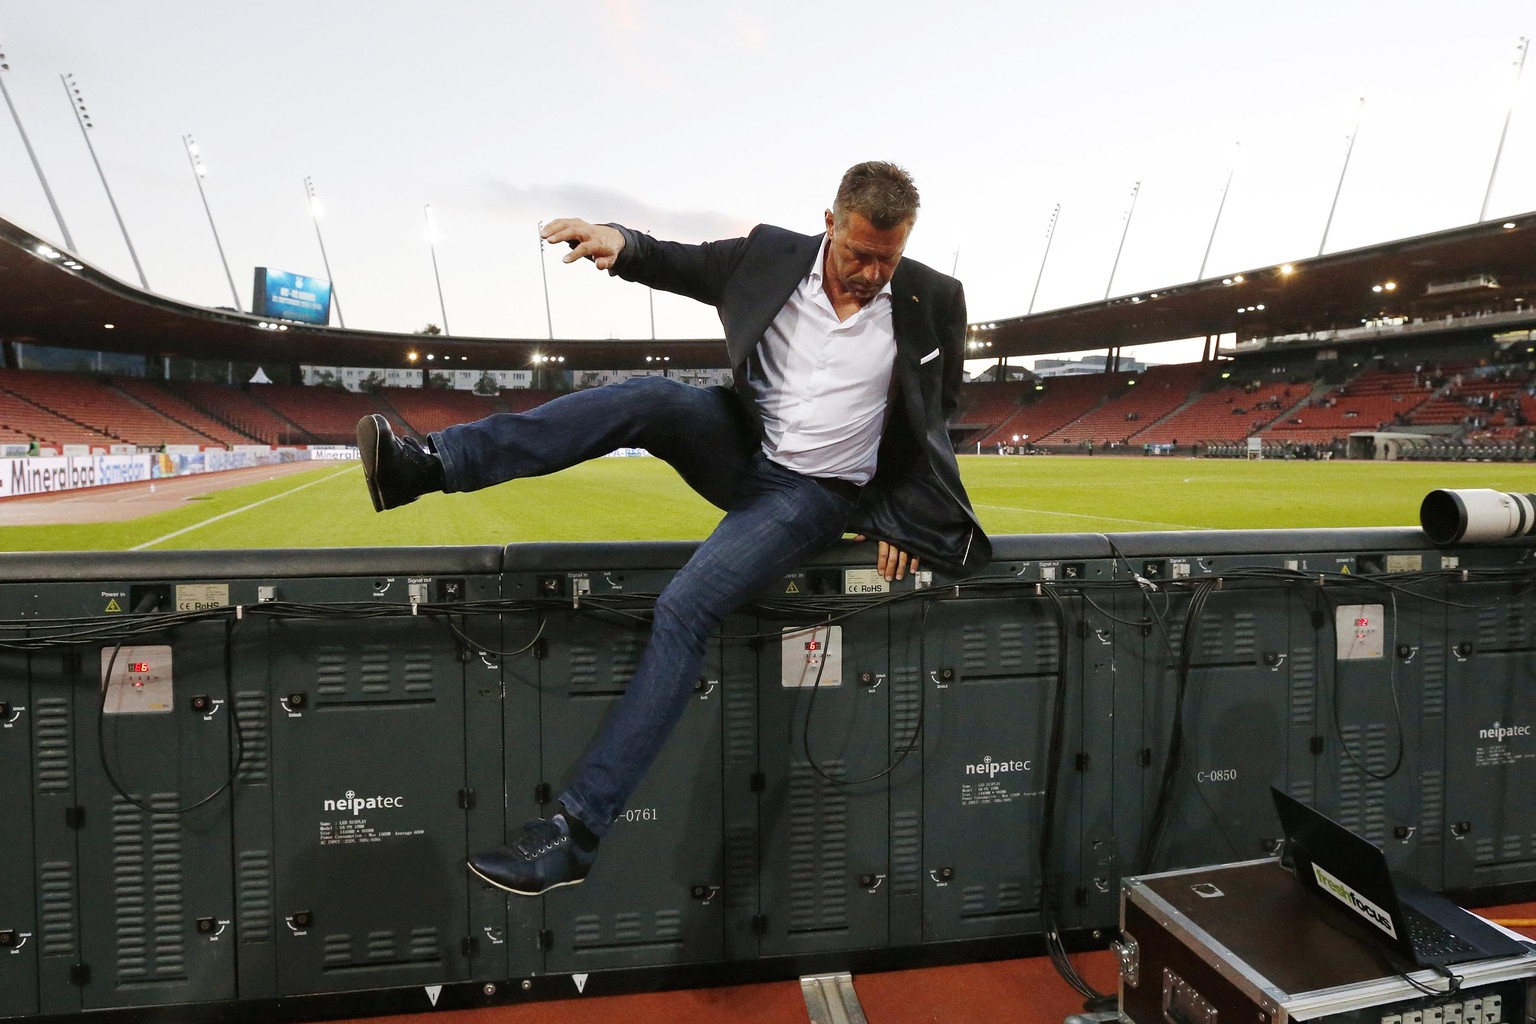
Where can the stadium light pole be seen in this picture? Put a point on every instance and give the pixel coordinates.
(1050, 233)
(314, 215)
(1225, 188)
(198, 171)
(1525, 45)
(5, 66)
(1135, 190)
(650, 293)
(1349, 148)
(83, 118)
(442, 306)
(549, 319)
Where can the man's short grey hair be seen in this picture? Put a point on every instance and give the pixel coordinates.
(882, 192)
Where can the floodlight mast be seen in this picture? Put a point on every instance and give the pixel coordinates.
(1135, 190)
(549, 317)
(1525, 45)
(1349, 148)
(314, 215)
(69, 243)
(83, 118)
(432, 245)
(1050, 233)
(198, 170)
(1225, 188)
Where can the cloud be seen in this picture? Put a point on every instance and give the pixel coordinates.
(601, 205)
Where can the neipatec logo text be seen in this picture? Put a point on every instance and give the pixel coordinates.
(1500, 733)
(352, 803)
(1354, 901)
(989, 767)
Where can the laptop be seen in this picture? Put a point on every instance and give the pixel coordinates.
(1347, 870)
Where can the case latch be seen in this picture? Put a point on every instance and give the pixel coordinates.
(1129, 954)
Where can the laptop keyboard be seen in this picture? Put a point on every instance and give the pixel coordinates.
(1431, 939)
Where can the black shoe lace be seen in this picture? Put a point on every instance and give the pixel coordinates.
(539, 838)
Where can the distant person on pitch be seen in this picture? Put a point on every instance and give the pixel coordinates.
(847, 364)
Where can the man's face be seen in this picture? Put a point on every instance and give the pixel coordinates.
(861, 257)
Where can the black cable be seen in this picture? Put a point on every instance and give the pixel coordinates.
(101, 740)
(917, 728)
(1055, 751)
(1393, 967)
(1397, 709)
(481, 649)
(1163, 804)
(44, 633)
(1141, 623)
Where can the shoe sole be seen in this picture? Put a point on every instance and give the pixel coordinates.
(368, 447)
(517, 892)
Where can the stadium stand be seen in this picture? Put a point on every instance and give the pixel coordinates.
(984, 407)
(1147, 397)
(1374, 400)
(328, 416)
(1473, 408)
(10, 436)
(94, 404)
(1230, 412)
(1061, 401)
(244, 410)
(40, 407)
(169, 403)
(59, 408)
(1472, 400)
(423, 410)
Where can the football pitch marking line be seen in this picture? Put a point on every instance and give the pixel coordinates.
(1100, 519)
(236, 511)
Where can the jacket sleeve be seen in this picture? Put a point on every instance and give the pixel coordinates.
(699, 272)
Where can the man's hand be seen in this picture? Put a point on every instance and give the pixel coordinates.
(597, 242)
(892, 562)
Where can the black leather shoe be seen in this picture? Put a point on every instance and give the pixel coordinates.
(544, 856)
(398, 472)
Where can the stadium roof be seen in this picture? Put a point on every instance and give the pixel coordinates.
(1411, 277)
(54, 298)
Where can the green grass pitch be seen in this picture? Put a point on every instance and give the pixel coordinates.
(641, 499)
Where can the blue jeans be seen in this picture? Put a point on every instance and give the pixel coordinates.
(774, 520)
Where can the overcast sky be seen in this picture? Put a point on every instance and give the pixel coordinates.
(696, 120)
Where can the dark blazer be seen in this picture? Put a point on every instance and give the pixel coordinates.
(916, 500)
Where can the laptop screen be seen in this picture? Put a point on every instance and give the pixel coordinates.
(1344, 867)
(1349, 871)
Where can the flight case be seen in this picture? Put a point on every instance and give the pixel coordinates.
(1244, 944)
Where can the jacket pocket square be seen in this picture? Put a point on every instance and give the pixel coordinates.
(930, 357)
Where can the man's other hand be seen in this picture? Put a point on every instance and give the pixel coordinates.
(890, 561)
(597, 242)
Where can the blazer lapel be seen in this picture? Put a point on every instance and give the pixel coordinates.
(780, 274)
(911, 342)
